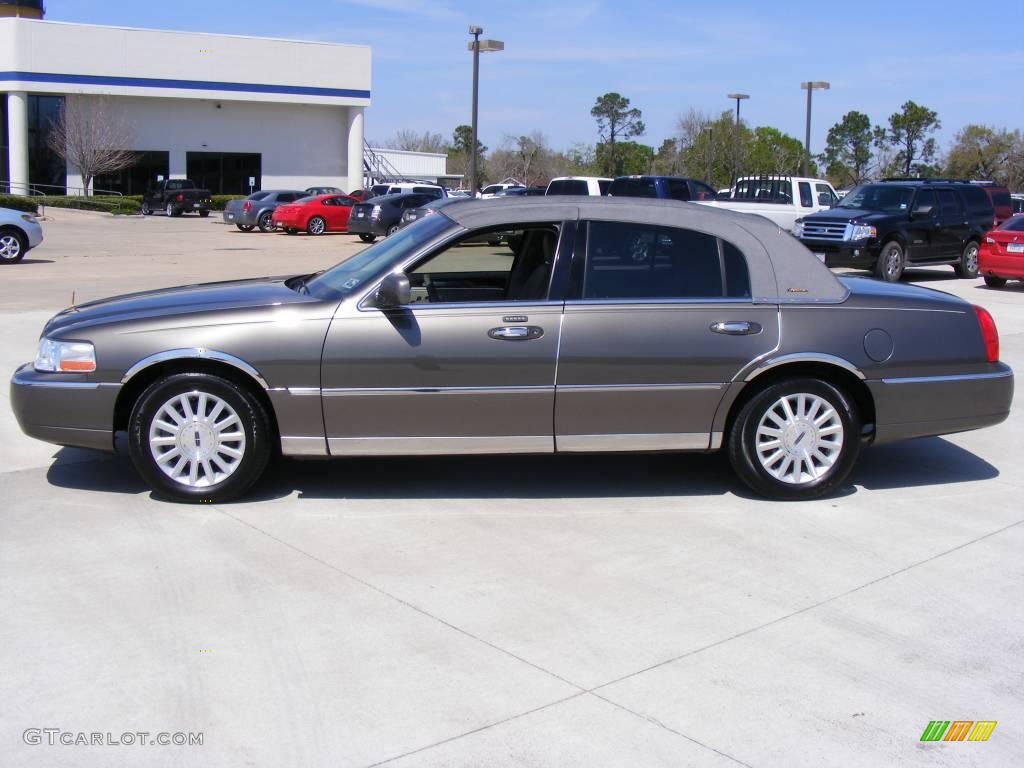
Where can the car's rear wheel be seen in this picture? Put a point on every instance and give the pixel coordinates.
(203, 214)
(13, 246)
(392, 229)
(245, 227)
(795, 440)
(316, 226)
(891, 262)
(198, 437)
(968, 264)
(367, 237)
(266, 221)
(995, 282)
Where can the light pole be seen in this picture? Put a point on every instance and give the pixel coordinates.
(810, 87)
(476, 46)
(736, 148)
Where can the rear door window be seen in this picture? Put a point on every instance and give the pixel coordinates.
(949, 204)
(678, 190)
(806, 199)
(644, 261)
(633, 188)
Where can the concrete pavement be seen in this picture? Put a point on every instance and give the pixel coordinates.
(528, 611)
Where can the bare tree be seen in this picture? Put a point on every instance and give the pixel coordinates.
(91, 137)
(411, 141)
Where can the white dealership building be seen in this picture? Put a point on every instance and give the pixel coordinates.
(223, 110)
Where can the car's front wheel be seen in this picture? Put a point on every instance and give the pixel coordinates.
(144, 209)
(13, 246)
(367, 237)
(968, 264)
(995, 282)
(795, 440)
(197, 437)
(891, 262)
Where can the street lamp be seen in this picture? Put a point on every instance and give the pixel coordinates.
(476, 46)
(736, 148)
(810, 87)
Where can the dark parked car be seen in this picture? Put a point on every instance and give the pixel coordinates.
(257, 210)
(380, 216)
(662, 188)
(612, 325)
(175, 197)
(890, 225)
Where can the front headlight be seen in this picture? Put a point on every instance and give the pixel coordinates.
(65, 356)
(862, 232)
(798, 228)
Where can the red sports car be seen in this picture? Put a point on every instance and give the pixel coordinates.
(1001, 256)
(315, 215)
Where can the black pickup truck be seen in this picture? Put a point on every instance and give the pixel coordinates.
(175, 197)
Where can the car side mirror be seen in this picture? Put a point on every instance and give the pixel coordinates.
(393, 292)
(921, 212)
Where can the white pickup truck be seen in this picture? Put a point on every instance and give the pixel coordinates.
(783, 199)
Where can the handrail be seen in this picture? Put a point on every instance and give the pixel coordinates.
(36, 189)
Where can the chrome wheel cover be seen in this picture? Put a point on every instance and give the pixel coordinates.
(971, 258)
(799, 438)
(893, 260)
(10, 248)
(317, 226)
(197, 439)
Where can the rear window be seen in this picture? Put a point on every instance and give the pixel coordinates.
(568, 187)
(978, 202)
(1014, 224)
(633, 188)
(257, 196)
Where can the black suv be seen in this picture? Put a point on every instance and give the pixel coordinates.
(889, 225)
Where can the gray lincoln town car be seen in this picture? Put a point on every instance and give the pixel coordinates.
(593, 324)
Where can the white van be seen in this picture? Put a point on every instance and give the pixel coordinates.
(578, 185)
(398, 188)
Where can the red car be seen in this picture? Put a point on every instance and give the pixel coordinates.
(315, 215)
(1001, 256)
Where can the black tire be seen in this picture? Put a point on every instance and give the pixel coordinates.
(967, 267)
(292, 231)
(145, 210)
(266, 221)
(253, 422)
(13, 245)
(366, 237)
(744, 443)
(203, 214)
(995, 282)
(316, 226)
(171, 211)
(245, 227)
(891, 262)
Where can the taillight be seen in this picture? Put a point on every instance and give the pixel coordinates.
(990, 241)
(989, 334)
(247, 206)
(180, 198)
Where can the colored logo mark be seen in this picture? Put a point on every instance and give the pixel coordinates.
(958, 730)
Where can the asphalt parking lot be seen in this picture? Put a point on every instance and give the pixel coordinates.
(528, 611)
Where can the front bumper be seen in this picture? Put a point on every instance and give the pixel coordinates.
(925, 406)
(859, 254)
(65, 409)
(34, 232)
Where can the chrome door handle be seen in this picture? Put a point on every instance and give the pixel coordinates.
(516, 333)
(736, 327)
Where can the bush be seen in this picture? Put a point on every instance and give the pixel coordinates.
(19, 203)
(104, 203)
(219, 201)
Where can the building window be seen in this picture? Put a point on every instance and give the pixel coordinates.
(137, 179)
(225, 173)
(46, 170)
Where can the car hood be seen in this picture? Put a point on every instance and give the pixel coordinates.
(171, 302)
(852, 215)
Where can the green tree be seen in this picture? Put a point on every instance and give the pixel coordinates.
(847, 155)
(983, 152)
(631, 158)
(773, 151)
(616, 122)
(458, 153)
(909, 133)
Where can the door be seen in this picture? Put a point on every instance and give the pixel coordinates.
(659, 321)
(467, 366)
(953, 227)
(922, 228)
(336, 211)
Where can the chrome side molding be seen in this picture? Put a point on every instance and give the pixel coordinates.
(195, 353)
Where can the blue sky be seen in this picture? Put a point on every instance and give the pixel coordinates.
(664, 55)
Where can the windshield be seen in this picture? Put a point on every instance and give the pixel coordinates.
(348, 277)
(878, 197)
